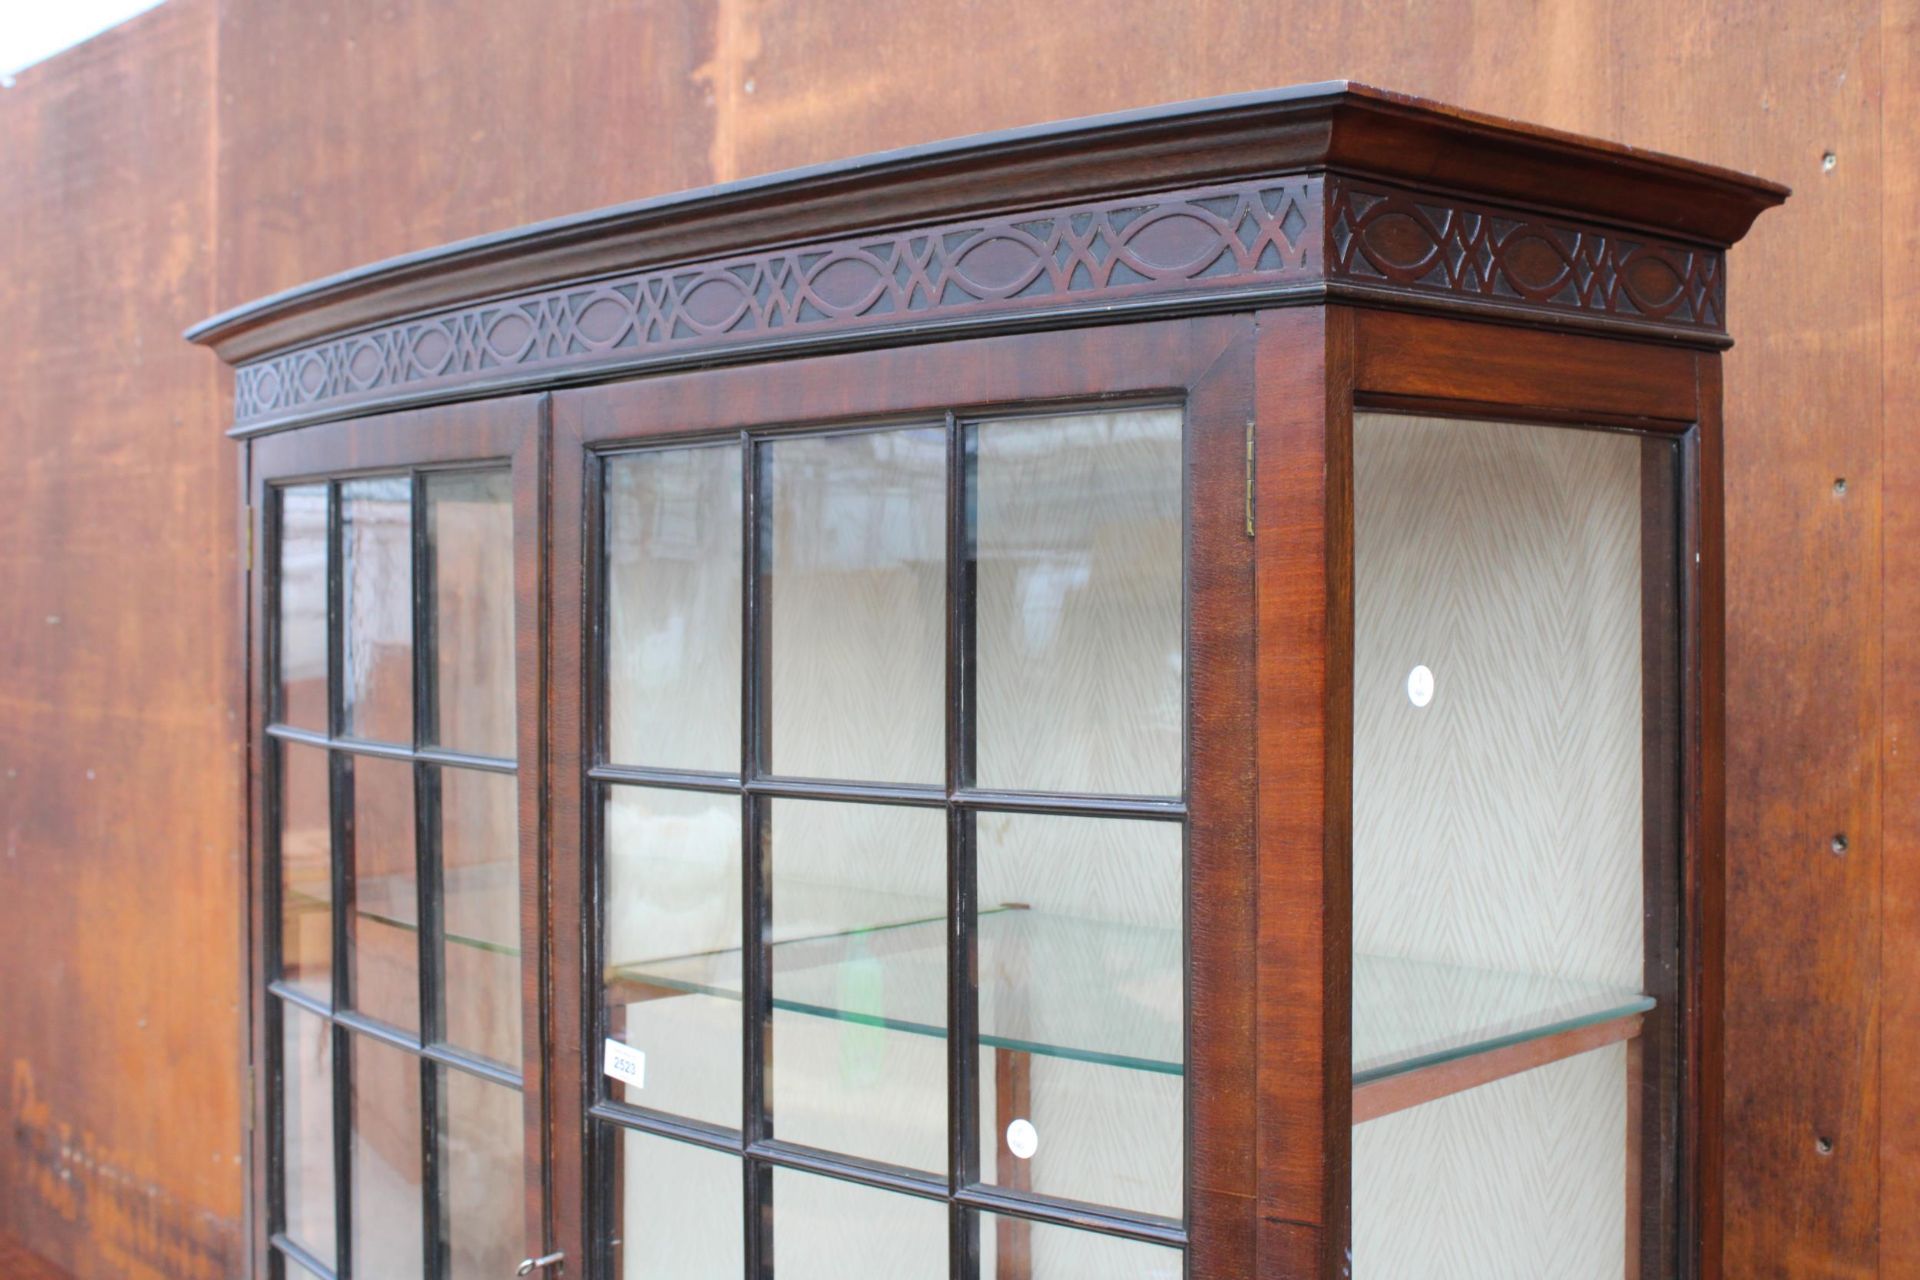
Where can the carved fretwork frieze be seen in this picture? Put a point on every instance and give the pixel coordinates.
(1381, 236)
(1277, 240)
(1160, 246)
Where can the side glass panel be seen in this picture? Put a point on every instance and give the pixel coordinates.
(1077, 562)
(398, 879)
(1513, 602)
(376, 542)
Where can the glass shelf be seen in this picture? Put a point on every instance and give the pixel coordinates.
(1409, 1014)
(1116, 997)
(392, 901)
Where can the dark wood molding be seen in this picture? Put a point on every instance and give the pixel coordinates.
(1303, 601)
(1163, 211)
(1704, 875)
(1414, 363)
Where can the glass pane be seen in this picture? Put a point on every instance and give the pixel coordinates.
(296, 1271)
(470, 557)
(306, 1109)
(672, 946)
(1528, 1170)
(485, 1178)
(856, 600)
(1076, 539)
(303, 607)
(306, 871)
(826, 1229)
(859, 1060)
(376, 543)
(1082, 1014)
(480, 913)
(387, 1242)
(1499, 833)
(673, 608)
(1015, 1249)
(385, 956)
(677, 1211)
(1497, 820)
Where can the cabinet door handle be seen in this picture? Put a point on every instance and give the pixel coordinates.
(532, 1265)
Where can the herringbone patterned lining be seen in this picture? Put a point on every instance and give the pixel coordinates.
(1499, 826)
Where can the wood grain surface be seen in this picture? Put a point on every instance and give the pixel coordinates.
(120, 795)
(21, 1263)
(1900, 752)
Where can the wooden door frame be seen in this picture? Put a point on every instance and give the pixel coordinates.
(514, 431)
(1207, 362)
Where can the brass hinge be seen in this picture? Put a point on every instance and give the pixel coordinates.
(1249, 477)
(247, 514)
(250, 1101)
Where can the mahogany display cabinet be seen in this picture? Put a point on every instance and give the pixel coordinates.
(1132, 699)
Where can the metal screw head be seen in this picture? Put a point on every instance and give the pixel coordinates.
(1840, 487)
(1840, 842)
(1823, 1145)
(1828, 162)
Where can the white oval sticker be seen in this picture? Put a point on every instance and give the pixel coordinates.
(1420, 686)
(627, 1065)
(1023, 1139)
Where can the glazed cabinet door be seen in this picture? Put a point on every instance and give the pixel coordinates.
(396, 802)
(900, 757)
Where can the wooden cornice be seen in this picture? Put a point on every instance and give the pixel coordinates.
(1332, 190)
